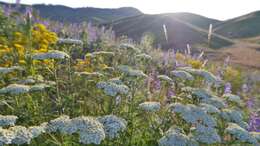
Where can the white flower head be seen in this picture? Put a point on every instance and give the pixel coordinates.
(21, 135)
(70, 41)
(215, 101)
(58, 124)
(39, 87)
(232, 98)
(241, 134)
(112, 125)
(209, 108)
(54, 54)
(256, 135)
(144, 56)
(27, 81)
(150, 106)
(6, 70)
(206, 135)
(165, 78)
(112, 89)
(6, 136)
(176, 138)
(193, 114)
(36, 130)
(208, 76)
(103, 53)
(90, 74)
(131, 72)
(90, 130)
(8, 120)
(235, 116)
(15, 89)
(202, 93)
(129, 47)
(183, 75)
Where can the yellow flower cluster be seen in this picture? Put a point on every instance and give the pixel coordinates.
(14, 53)
(42, 38)
(195, 63)
(90, 63)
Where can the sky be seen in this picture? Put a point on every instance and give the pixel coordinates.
(218, 9)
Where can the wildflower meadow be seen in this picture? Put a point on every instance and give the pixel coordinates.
(67, 84)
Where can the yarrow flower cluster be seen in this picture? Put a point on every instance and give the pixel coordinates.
(207, 97)
(91, 130)
(15, 135)
(175, 137)
(131, 72)
(102, 53)
(54, 54)
(112, 125)
(215, 101)
(144, 56)
(6, 70)
(112, 89)
(193, 114)
(89, 74)
(165, 78)
(232, 98)
(27, 81)
(21, 135)
(209, 108)
(202, 94)
(208, 76)
(70, 41)
(206, 135)
(241, 134)
(39, 87)
(235, 116)
(182, 75)
(7, 120)
(15, 89)
(150, 106)
(130, 48)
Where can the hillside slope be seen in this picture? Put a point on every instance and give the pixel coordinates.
(75, 15)
(182, 29)
(241, 27)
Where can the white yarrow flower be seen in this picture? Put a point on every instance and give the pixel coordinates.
(150, 106)
(15, 89)
(21, 135)
(54, 54)
(6, 70)
(183, 75)
(70, 41)
(112, 125)
(7, 120)
(241, 134)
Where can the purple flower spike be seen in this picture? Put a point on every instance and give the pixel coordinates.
(228, 88)
(254, 123)
(250, 103)
(170, 93)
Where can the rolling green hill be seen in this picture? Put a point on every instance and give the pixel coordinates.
(241, 27)
(182, 29)
(76, 15)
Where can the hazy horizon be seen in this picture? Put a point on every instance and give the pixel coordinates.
(220, 9)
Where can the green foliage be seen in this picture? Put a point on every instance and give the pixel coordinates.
(118, 94)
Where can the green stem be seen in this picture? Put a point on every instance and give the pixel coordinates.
(59, 100)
